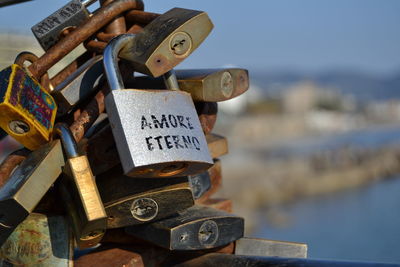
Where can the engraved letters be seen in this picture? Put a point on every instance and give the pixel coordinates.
(166, 142)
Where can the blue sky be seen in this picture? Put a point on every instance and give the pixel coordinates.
(307, 35)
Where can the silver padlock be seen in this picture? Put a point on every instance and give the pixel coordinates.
(157, 132)
(79, 85)
(73, 14)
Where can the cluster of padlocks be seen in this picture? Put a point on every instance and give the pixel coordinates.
(123, 176)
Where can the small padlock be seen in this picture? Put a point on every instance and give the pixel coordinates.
(157, 132)
(40, 240)
(193, 229)
(215, 174)
(27, 111)
(200, 183)
(49, 30)
(27, 185)
(210, 85)
(80, 194)
(79, 85)
(217, 145)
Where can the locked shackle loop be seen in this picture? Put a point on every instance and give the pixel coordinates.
(110, 55)
(24, 56)
(67, 139)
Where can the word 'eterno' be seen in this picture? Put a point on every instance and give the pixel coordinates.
(167, 121)
(172, 141)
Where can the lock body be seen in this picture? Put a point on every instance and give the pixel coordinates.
(27, 110)
(157, 133)
(168, 40)
(214, 85)
(27, 185)
(210, 85)
(48, 31)
(193, 229)
(83, 202)
(217, 145)
(40, 240)
(79, 85)
(149, 206)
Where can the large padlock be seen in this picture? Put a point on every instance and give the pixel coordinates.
(79, 191)
(79, 85)
(40, 240)
(27, 185)
(211, 85)
(157, 132)
(193, 229)
(49, 30)
(27, 110)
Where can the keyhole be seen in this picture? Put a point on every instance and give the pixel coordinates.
(18, 127)
(181, 43)
(208, 233)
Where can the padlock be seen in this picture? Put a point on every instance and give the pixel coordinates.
(100, 147)
(207, 112)
(70, 16)
(27, 185)
(80, 194)
(210, 85)
(157, 132)
(130, 201)
(193, 229)
(215, 174)
(167, 40)
(217, 145)
(27, 111)
(79, 85)
(200, 183)
(40, 240)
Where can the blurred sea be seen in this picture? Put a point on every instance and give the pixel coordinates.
(361, 224)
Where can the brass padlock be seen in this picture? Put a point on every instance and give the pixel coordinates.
(130, 201)
(27, 185)
(167, 40)
(27, 111)
(210, 85)
(193, 229)
(157, 132)
(80, 194)
(217, 145)
(40, 240)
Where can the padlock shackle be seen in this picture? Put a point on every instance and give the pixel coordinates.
(110, 61)
(170, 80)
(67, 139)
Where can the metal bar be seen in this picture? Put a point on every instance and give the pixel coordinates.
(225, 260)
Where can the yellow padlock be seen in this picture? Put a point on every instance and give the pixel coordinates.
(27, 111)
